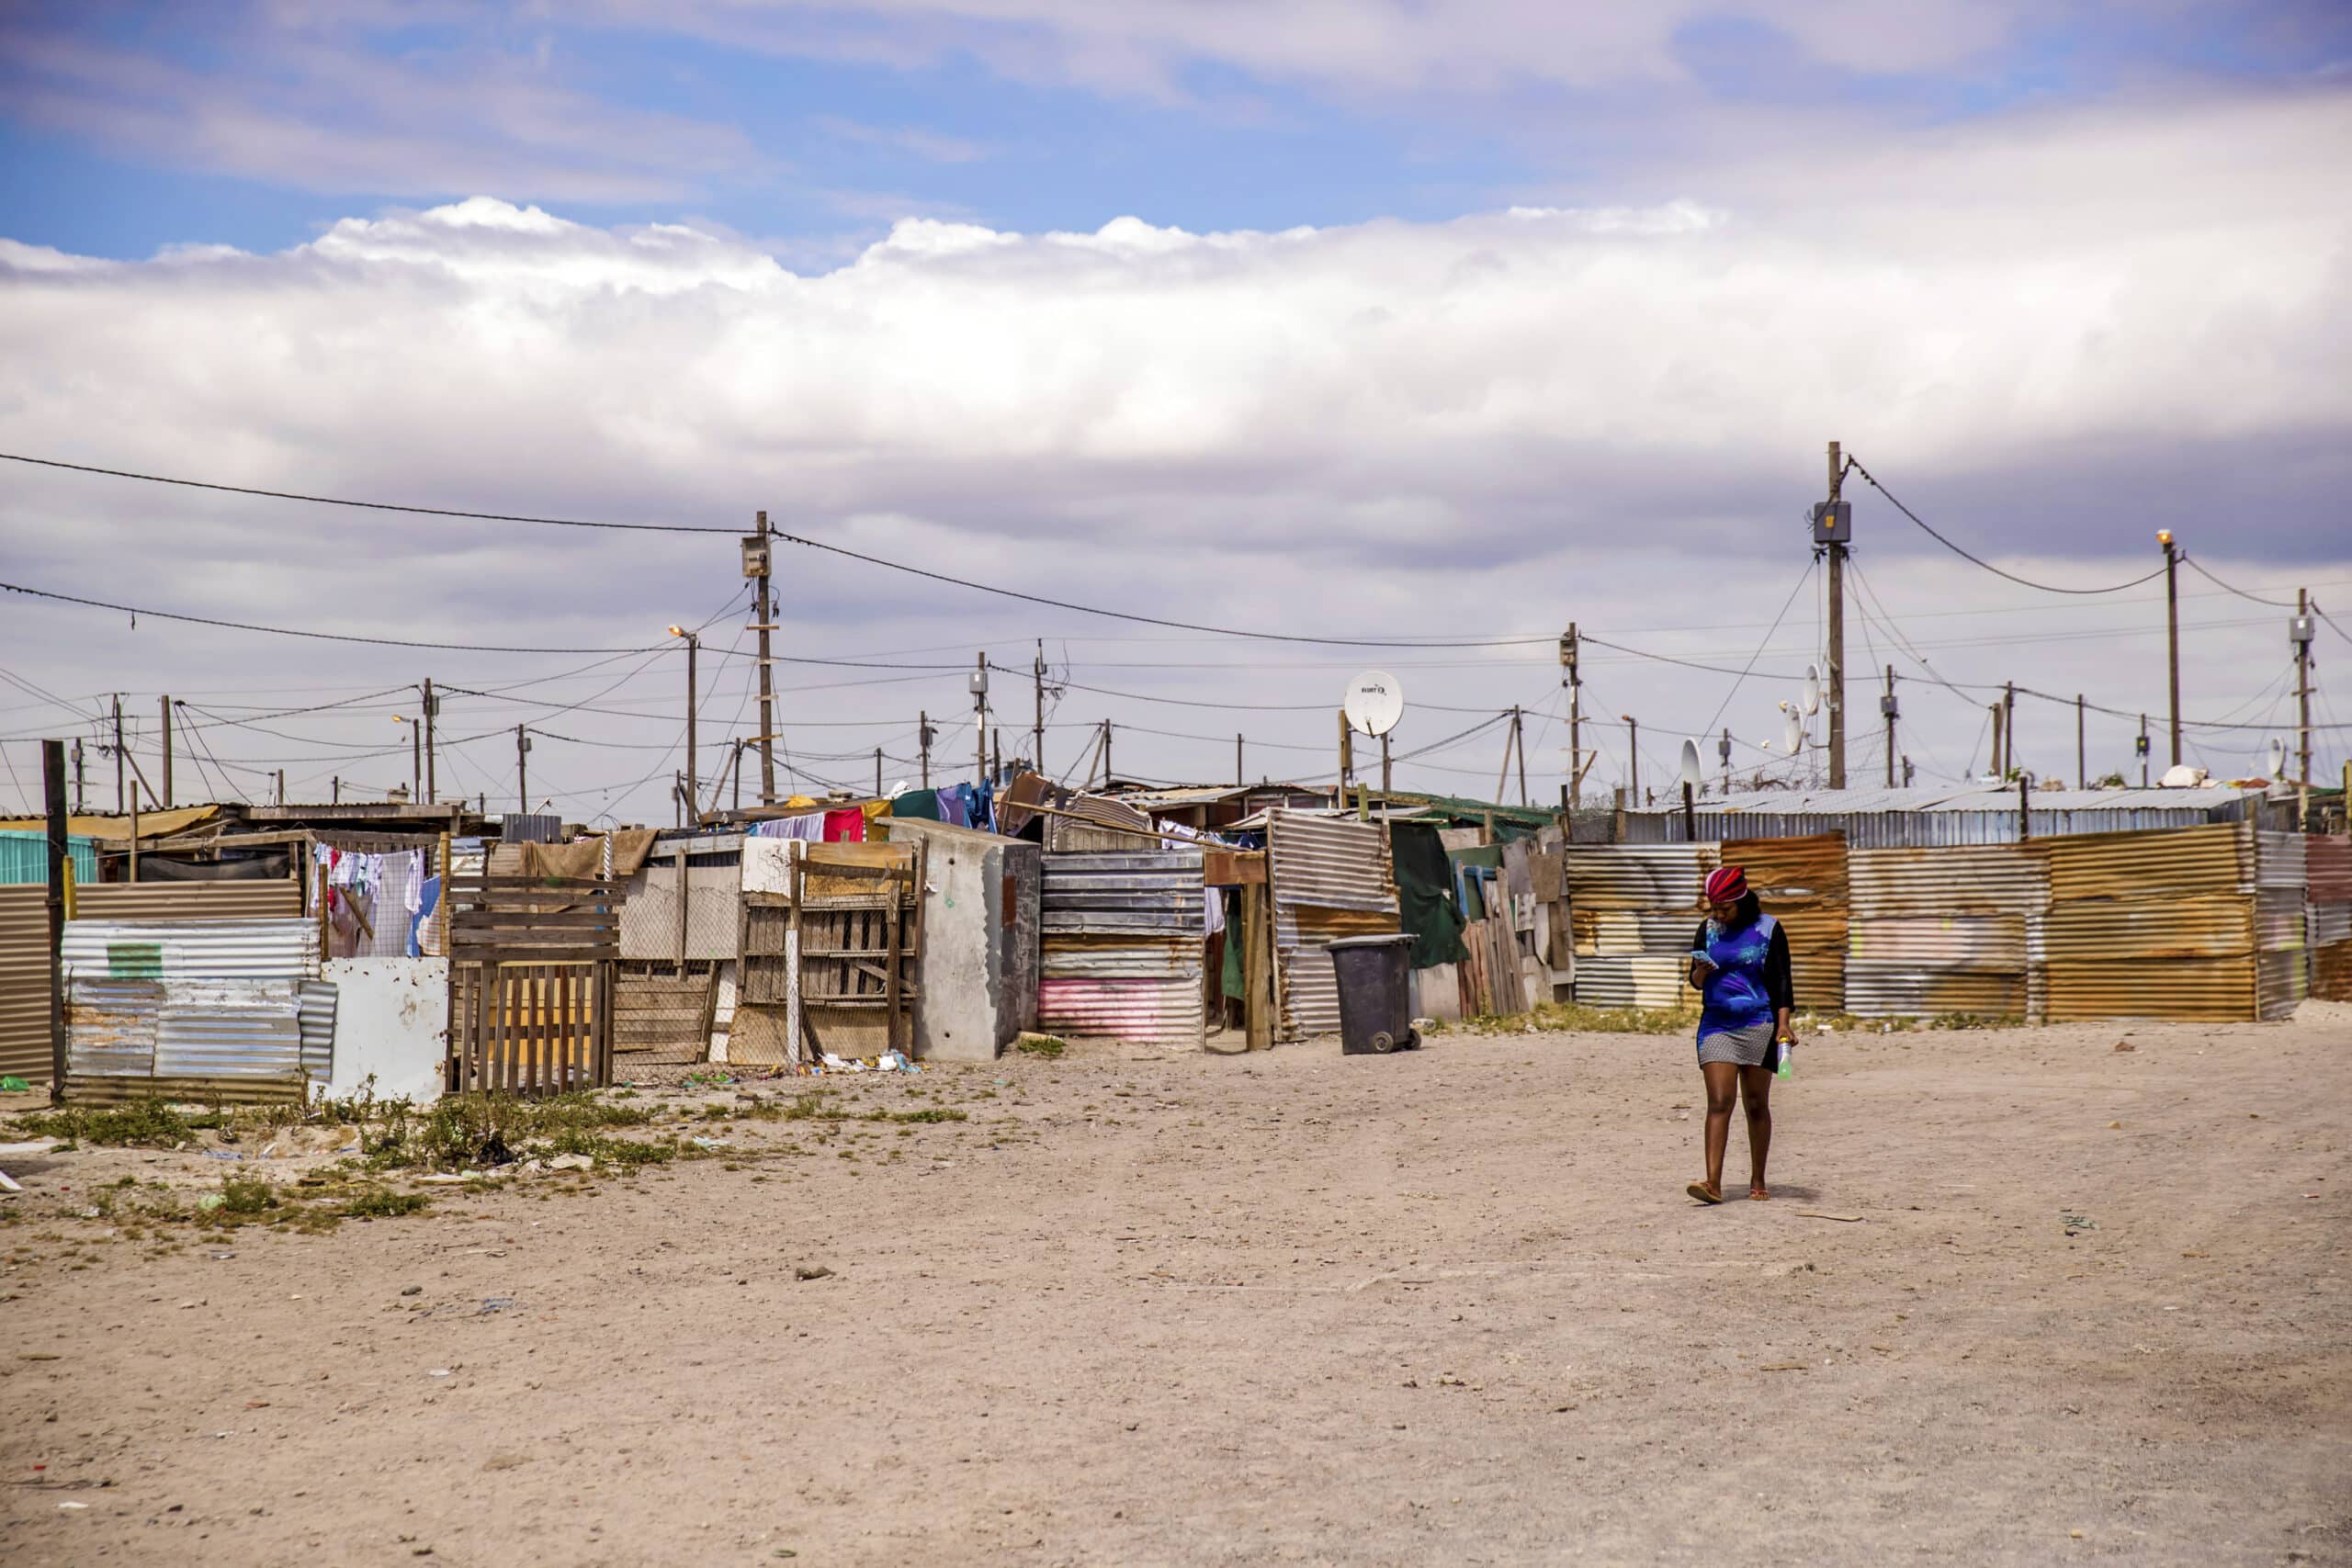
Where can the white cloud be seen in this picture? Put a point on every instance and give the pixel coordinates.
(1501, 422)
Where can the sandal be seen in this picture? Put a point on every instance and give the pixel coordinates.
(1704, 1193)
(1759, 1195)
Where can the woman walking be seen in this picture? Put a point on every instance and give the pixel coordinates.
(1739, 962)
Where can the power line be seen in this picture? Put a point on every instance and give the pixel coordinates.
(2045, 587)
(133, 610)
(1803, 578)
(2254, 598)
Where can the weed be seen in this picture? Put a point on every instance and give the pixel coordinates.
(1044, 1046)
(142, 1123)
(247, 1197)
(383, 1203)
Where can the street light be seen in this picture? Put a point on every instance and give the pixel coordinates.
(693, 787)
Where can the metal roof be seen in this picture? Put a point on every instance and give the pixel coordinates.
(1833, 802)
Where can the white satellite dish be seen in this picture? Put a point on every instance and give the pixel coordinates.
(1690, 774)
(1792, 731)
(1812, 689)
(2277, 757)
(1374, 703)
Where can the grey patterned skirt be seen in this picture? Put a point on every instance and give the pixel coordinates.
(1747, 1047)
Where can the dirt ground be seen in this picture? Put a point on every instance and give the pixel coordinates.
(1447, 1307)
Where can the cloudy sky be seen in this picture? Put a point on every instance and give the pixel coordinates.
(1436, 323)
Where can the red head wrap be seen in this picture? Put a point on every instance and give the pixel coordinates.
(1726, 884)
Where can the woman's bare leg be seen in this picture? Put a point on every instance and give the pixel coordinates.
(1723, 1088)
(1756, 1096)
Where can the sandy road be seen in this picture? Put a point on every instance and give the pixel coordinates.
(1450, 1307)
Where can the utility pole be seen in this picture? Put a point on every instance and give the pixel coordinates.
(122, 801)
(1999, 772)
(1237, 762)
(1519, 744)
(1037, 734)
(1723, 755)
(2142, 748)
(2082, 752)
(692, 788)
(1886, 706)
(79, 779)
(432, 711)
(2172, 632)
(2010, 724)
(1107, 774)
(735, 771)
(923, 737)
(2299, 632)
(1576, 718)
(167, 704)
(1347, 755)
(281, 786)
(53, 774)
(522, 771)
(1387, 767)
(878, 773)
(1833, 527)
(1633, 758)
(979, 684)
(756, 553)
(334, 790)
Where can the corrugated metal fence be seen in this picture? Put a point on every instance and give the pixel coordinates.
(1329, 878)
(190, 1009)
(1947, 930)
(2328, 865)
(1632, 908)
(1123, 938)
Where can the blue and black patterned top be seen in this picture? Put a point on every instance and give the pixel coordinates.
(1751, 981)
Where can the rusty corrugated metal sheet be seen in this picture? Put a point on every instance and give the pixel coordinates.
(2192, 990)
(2327, 868)
(24, 980)
(1803, 883)
(1123, 945)
(24, 944)
(1963, 879)
(1630, 933)
(1638, 877)
(2280, 861)
(1328, 878)
(183, 1026)
(2328, 924)
(2281, 980)
(2332, 972)
(2181, 861)
(1652, 982)
(2217, 925)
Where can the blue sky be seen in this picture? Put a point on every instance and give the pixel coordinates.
(131, 127)
(1418, 317)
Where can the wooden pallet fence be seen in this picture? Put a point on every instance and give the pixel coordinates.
(533, 964)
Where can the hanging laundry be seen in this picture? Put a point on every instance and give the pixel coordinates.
(1213, 907)
(809, 825)
(918, 803)
(955, 805)
(845, 827)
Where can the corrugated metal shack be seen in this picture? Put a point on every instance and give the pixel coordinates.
(2281, 956)
(193, 1010)
(1329, 877)
(1952, 931)
(1919, 818)
(1632, 908)
(1123, 938)
(2153, 925)
(2328, 865)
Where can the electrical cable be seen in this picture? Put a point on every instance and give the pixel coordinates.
(1811, 565)
(1854, 465)
(2198, 567)
(135, 611)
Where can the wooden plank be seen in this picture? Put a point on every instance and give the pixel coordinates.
(891, 979)
(530, 920)
(1233, 868)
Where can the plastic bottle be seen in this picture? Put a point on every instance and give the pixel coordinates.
(1788, 1057)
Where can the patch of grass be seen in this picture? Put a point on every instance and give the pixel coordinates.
(1046, 1045)
(247, 1197)
(1570, 1016)
(1973, 1020)
(383, 1203)
(141, 1125)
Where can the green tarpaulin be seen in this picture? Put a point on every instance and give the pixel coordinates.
(1425, 892)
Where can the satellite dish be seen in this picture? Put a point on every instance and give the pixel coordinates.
(1689, 761)
(1792, 731)
(1374, 703)
(2277, 757)
(1812, 689)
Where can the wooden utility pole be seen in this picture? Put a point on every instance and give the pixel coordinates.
(764, 615)
(1387, 766)
(2010, 724)
(2082, 752)
(1837, 695)
(1038, 733)
(81, 802)
(1886, 706)
(1346, 755)
(1519, 744)
(53, 774)
(1236, 762)
(2142, 749)
(1576, 719)
(1633, 758)
(166, 707)
(2299, 631)
(878, 773)
(1999, 772)
(281, 786)
(694, 651)
(432, 711)
(119, 798)
(1107, 774)
(522, 771)
(922, 738)
(2171, 633)
(1723, 755)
